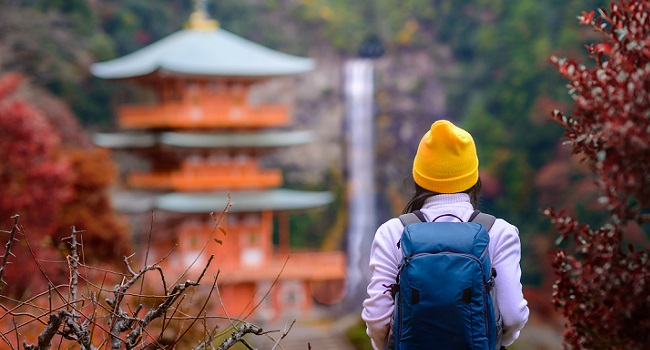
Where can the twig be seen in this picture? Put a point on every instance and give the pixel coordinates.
(158, 311)
(146, 254)
(217, 221)
(38, 264)
(45, 338)
(5, 257)
(238, 335)
(165, 320)
(275, 281)
(223, 307)
(13, 320)
(284, 334)
(7, 341)
(73, 260)
(208, 340)
(214, 284)
(26, 302)
(120, 290)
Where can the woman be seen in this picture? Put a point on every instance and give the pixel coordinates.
(445, 170)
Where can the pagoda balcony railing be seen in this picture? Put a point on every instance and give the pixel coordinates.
(205, 115)
(311, 266)
(193, 181)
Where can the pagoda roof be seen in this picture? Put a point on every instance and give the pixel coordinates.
(236, 139)
(248, 139)
(213, 53)
(124, 139)
(242, 201)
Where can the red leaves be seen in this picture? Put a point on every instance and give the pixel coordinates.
(51, 188)
(609, 123)
(586, 18)
(602, 288)
(35, 180)
(604, 48)
(9, 84)
(34, 174)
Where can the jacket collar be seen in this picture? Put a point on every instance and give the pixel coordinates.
(454, 199)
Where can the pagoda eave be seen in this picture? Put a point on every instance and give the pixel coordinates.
(125, 140)
(201, 203)
(133, 202)
(215, 53)
(232, 140)
(204, 140)
(243, 201)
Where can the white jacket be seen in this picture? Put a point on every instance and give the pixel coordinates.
(505, 254)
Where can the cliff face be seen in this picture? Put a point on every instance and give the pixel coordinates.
(409, 95)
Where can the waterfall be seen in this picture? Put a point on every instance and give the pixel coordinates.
(359, 90)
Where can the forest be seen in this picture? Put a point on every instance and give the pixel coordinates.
(497, 68)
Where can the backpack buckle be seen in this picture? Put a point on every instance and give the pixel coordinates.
(392, 288)
(490, 281)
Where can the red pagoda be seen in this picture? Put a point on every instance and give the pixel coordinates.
(199, 141)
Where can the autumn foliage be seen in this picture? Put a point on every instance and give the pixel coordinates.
(36, 180)
(52, 185)
(33, 174)
(603, 281)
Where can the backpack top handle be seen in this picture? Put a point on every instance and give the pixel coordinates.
(486, 220)
(443, 215)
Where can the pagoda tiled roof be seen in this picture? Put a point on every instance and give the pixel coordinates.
(248, 139)
(212, 53)
(205, 202)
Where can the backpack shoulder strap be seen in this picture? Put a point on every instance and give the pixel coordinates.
(486, 220)
(412, 218)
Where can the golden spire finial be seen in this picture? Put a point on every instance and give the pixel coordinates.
(199, 19)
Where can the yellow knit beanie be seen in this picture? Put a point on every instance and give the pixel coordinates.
(446, 161)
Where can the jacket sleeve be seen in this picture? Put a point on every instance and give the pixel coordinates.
(378, 307)
(510, 299)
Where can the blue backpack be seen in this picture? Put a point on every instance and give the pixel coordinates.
(442, 292)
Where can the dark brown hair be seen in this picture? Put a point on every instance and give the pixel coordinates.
(420, 196)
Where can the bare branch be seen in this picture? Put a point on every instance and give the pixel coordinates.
(38, 264)
(238, 335)
(217, 221)
(73, 260)
(275, 281)
(161, 309)
(7, 341)
(5, 257)
(146, 255)
(284, 334)
(120, 290)
(119, 323)
(205, 303)
(45, 338)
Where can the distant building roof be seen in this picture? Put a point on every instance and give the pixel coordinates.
(242, 201)
(262, 139)
(205, 52)
(124, 140)
(236, 139)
